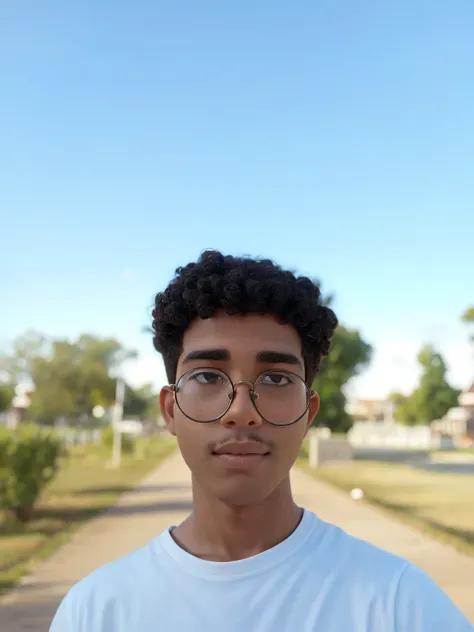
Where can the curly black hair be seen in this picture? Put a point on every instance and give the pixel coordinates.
(241, 285)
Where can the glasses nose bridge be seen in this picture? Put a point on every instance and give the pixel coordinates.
(251, 386)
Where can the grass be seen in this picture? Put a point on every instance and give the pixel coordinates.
(439, 504)
(455, 452)
(84, 486)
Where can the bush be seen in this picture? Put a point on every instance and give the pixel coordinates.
(6, 396)
(28, 461)
(128, 442)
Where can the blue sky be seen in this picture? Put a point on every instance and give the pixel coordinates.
(333, 136)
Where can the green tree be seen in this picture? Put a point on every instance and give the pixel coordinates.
(142, 402)
(468, 317)
(135, 404)
(6, 397)
(433, 397)
(15, 364)
(349, 354)
(406, 408)
(74, 377)
(153, 410)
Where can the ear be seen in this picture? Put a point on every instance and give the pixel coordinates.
(313, 408)
(167, 408)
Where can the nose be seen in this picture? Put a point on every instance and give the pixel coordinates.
(242, 413)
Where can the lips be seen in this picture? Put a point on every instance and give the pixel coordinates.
(240, 448)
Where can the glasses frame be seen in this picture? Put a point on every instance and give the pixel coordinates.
(252, 394)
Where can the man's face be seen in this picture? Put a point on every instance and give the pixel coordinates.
(242, 347)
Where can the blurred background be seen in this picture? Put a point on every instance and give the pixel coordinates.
(334, 137)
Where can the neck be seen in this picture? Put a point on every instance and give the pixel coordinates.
(218, 531)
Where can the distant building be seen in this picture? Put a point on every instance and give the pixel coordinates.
(18, 407)
(371, 410)
(391, 436)
(466, 399)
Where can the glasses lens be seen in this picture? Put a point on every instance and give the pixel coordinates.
(203, 394)
(282, 398)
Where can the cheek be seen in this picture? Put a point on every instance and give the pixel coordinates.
(193, 439)
(291, 439)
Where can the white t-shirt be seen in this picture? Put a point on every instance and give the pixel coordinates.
(318, 579)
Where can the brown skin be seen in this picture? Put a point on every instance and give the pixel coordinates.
(238, 513)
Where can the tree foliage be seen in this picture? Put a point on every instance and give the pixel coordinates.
(141, 403)
(6, 397)
(406, 408)
(348, 356)
(75, 377)
(15, 365)
(433, 397)
(69, 377)
(468, 317)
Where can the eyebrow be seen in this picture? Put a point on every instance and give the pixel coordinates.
(207, 354)
(264, 357)
(278, 357)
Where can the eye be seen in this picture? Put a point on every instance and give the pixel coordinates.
(275, 379)
(208, 377)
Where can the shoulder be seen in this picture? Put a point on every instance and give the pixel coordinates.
(369, 573)
(355, 558)
(119, 574)
(92, 597)
(420, 599)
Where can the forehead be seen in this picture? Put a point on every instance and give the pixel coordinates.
(242, 335)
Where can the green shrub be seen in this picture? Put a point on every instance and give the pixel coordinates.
(128, 442)
(28, 461)
(6, 396)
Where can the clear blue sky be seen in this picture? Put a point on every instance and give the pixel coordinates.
(336, 137)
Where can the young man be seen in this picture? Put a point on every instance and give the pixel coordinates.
(242, 341)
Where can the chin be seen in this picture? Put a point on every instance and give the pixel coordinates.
(241, 499)
(242, 494)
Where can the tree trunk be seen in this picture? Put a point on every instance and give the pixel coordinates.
(24, 513)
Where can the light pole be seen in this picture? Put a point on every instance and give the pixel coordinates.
(116, 419)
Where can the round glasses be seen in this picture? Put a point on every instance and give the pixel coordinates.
(204, 395)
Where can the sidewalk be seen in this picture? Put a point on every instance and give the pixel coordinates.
(164, 498)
